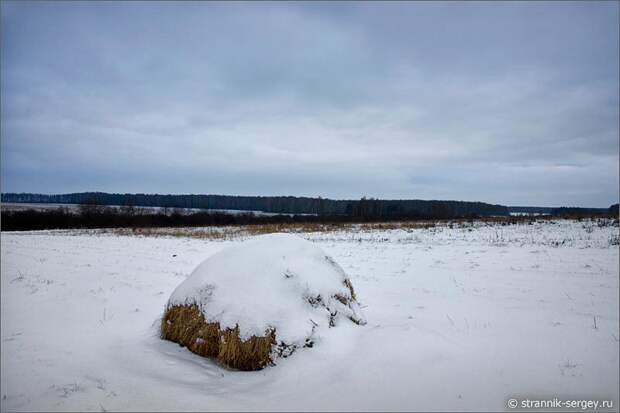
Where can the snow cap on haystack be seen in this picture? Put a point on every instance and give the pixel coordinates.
(259, 300)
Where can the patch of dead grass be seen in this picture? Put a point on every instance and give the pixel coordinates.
(234, 232)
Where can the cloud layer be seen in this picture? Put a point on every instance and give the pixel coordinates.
(512, 103)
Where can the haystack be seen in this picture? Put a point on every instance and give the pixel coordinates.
(259, 300)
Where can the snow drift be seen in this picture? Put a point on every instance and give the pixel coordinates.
(259, 300)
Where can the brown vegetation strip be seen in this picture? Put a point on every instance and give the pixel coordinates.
(231, 232)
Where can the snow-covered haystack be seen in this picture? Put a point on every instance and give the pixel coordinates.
(259, 300)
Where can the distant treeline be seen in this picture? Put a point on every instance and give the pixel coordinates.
(92, 215)
(531, 210)
(96, 216)
(561, 210)
(363, 208)
(573, 211)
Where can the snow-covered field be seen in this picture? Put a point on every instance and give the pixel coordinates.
(458, 319)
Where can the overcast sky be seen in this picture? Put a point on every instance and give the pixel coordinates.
(511, 103)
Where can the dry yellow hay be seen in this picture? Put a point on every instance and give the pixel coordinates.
(186, 325)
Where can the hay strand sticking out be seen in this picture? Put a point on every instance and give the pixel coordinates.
(347, 283)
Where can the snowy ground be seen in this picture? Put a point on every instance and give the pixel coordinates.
(458, 319)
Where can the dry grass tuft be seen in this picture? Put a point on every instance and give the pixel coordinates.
(251, 354)
(186, 325)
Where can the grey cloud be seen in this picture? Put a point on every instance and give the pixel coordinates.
(513, 103)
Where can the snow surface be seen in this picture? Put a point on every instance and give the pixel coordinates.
(458, 319)
(264, 284)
